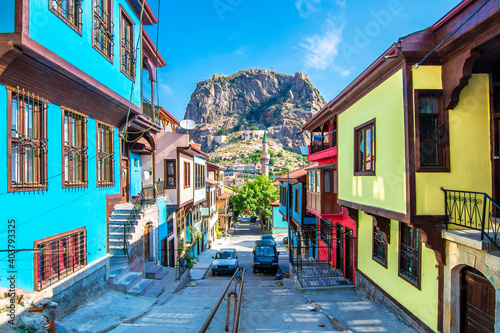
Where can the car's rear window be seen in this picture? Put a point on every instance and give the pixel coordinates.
(225, 255)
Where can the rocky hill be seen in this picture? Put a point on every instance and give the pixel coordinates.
(253, 99)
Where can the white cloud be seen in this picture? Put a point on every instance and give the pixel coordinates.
(321, 49)
(306, 7)
(241, 51)
(345, 72)
(167, 90)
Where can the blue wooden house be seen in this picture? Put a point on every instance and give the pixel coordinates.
(69, 83)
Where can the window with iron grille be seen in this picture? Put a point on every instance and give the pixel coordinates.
(432, 145)
(103, 28)
(409, 254)
(297, 200)
(27, 141)
(199, 176)
(59, 256)
(70, 11)
(379, 248)
(75, 150)
(127, 45)
(364, 149)
(105, 156)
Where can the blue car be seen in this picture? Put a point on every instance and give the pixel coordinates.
(265, 256)
(225, 261)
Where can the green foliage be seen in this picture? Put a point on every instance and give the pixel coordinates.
(190, 261)
(272, 161)
(254, 128)
(250, 77)
(280, 153)
(218, 233)
(254, 198)
(237, 127)
(243, 120)
(272, 152)
(222, 131)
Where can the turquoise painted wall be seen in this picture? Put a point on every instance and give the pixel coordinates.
(279, 223)
(297, 216)
(49, 30)
(162, 222)
(57, 210)
(7, 16)
(135, 174)
(283, 204)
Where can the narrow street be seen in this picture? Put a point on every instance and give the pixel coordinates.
(268, 305)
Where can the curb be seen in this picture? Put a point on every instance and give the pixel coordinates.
(129, 320)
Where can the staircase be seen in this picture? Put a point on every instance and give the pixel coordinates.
(120, 277)
(321, 275)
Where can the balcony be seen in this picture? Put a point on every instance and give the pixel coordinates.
(150, 111)
(323, 146)
(322, 204)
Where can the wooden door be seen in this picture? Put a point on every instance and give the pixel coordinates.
(146, 242)
(478, 303)
(349, 254)
(496, 138)
(125, 180)
(164, 252)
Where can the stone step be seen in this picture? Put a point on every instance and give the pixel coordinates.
(324, 282)
(140, 287)
(154, 291)
(117, 272)
(127, 282)
(119, 229)
(122, 222)
(119, 235)
(152, 271)
(118, 258)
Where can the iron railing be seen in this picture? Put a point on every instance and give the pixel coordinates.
(150, 111)
(182, 265)
(103, 31)
(70, 10)
(323, 142)
(474, 210)
(131, 220)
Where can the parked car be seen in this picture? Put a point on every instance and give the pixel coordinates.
(268, 238)
(225, 261)
(253, 219)
(265, 256)
(285, 241)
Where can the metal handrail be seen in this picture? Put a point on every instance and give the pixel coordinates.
(136, 210)
(240, 272)
(474, 210)
(322, 145)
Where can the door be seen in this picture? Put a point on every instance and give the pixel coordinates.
(478, 303)
(147, 232)
(171, 253)
(125, 180)
(164, 252)
(349, 254)
(340, 247)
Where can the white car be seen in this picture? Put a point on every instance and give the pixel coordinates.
(225, 261)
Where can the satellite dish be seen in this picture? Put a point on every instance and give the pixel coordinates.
(187, 124)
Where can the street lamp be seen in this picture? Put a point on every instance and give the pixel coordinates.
(287, 211)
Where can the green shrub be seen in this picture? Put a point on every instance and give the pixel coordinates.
(222, 131)
(254, 128)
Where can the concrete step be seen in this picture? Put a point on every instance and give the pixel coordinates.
(119, 228)
(121, 222)
(163, 273)
(324, 282)
(152, 271)
(119, 235)
(140, 287)
(118, 259)
(118, 272)
(154, 291)
(127, 282)
(116, 251)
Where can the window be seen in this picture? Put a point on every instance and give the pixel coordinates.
(74, 150)
(409, 254)
(199, 176)
(283, 195)
(105, 155)
(70, 11)
(297, 200)
(318, 181)
(103, 28)
(326, 230)
(364, 149)
(59, 256)
(328, 181)
(187, 174)
(170, 174)
(27, 141)
(379, 248)
(127, 45)
(432, 146)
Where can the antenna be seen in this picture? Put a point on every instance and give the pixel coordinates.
(187, 124)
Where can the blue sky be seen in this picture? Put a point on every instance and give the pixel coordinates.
(332, 41)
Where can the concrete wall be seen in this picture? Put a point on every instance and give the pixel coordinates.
(7, 16)
(47, 213)
(185, 193)
(49, 30)
(469, 124)
(199, 194)
(387, 189)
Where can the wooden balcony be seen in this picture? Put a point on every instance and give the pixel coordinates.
(322, 204)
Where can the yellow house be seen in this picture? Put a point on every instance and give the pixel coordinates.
(418, 170)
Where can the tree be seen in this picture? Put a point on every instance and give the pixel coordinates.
(222, 131)
(280, 153)
(254, 198)
(271, 161)
(254, 128)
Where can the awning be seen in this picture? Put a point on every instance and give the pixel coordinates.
(324, 167)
